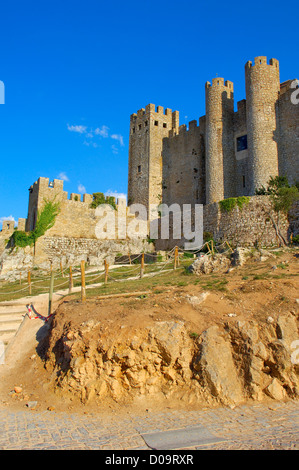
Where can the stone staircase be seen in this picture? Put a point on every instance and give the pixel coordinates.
(11, 317)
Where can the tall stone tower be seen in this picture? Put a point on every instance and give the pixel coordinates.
(262, 93)
(147, 130)
(220, 155)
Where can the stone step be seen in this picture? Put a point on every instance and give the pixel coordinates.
(4, 315)
(12, 308)
(11, 317)
(10, 323)
(7, 335)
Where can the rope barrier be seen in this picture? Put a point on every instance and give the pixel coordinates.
(93, 276)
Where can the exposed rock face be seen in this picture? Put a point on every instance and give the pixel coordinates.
(239, 256)
(228, 365)
(12, 264)
(65, 252)
(215, 366)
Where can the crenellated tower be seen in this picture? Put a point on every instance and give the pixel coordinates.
(220, 155)
(262, 93)
(148, 128)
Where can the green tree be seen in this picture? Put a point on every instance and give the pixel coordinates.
(282, 197)
(100, 198)
(45, 220)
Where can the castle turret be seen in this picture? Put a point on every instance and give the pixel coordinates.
(148, 128)
(220, 155)
(262, 92)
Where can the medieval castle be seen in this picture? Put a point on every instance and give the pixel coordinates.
(230, 153)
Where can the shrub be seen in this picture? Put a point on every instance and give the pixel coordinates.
(227, 205)
(100, 198)
(45, 220)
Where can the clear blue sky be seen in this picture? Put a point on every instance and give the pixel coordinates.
(75, 70)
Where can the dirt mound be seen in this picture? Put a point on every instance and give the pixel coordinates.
(214, 339)
(239, 361)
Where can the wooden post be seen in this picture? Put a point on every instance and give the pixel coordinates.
(175, 257)
(71, 280)
(212, 247)
(106, 271)
(51, 293)
(83, 286)
(142, 266)
(29, 282)
(229, 246)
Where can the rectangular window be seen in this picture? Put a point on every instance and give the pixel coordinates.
(139, 127)
(139, 168)
(165, 125)
(145, 123)
(156, 123)
(242, 143)
(244, 182)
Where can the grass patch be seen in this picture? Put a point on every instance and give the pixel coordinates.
(215, 284)
(193, 335)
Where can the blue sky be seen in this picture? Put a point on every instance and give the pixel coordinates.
(75, 70)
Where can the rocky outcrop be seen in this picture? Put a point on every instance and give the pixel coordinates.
(215, 367)
(208, 264)
(242, 360)
(66, 252)
(14, 262)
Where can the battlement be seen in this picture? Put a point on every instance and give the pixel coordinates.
(43, 187)
(8, 226)
(152, 109)
(184, 129)
(153, 115)
(219, 81)
(261, 61)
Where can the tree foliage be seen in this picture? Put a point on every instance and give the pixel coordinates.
(282, 197)
(100, 198)
(45, 220)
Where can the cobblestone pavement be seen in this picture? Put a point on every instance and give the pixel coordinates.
(258, 426)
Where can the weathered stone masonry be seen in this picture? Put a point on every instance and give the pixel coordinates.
(228, 153)
(231, 153)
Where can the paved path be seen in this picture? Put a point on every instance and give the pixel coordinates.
(259, 426)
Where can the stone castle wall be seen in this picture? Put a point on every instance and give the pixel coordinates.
(71, 251)
(76, 219)
(220, 154)
(262, 92)
(184, 165)
(242, 148)
(242, 227)
(148, 128)
(289, 134)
